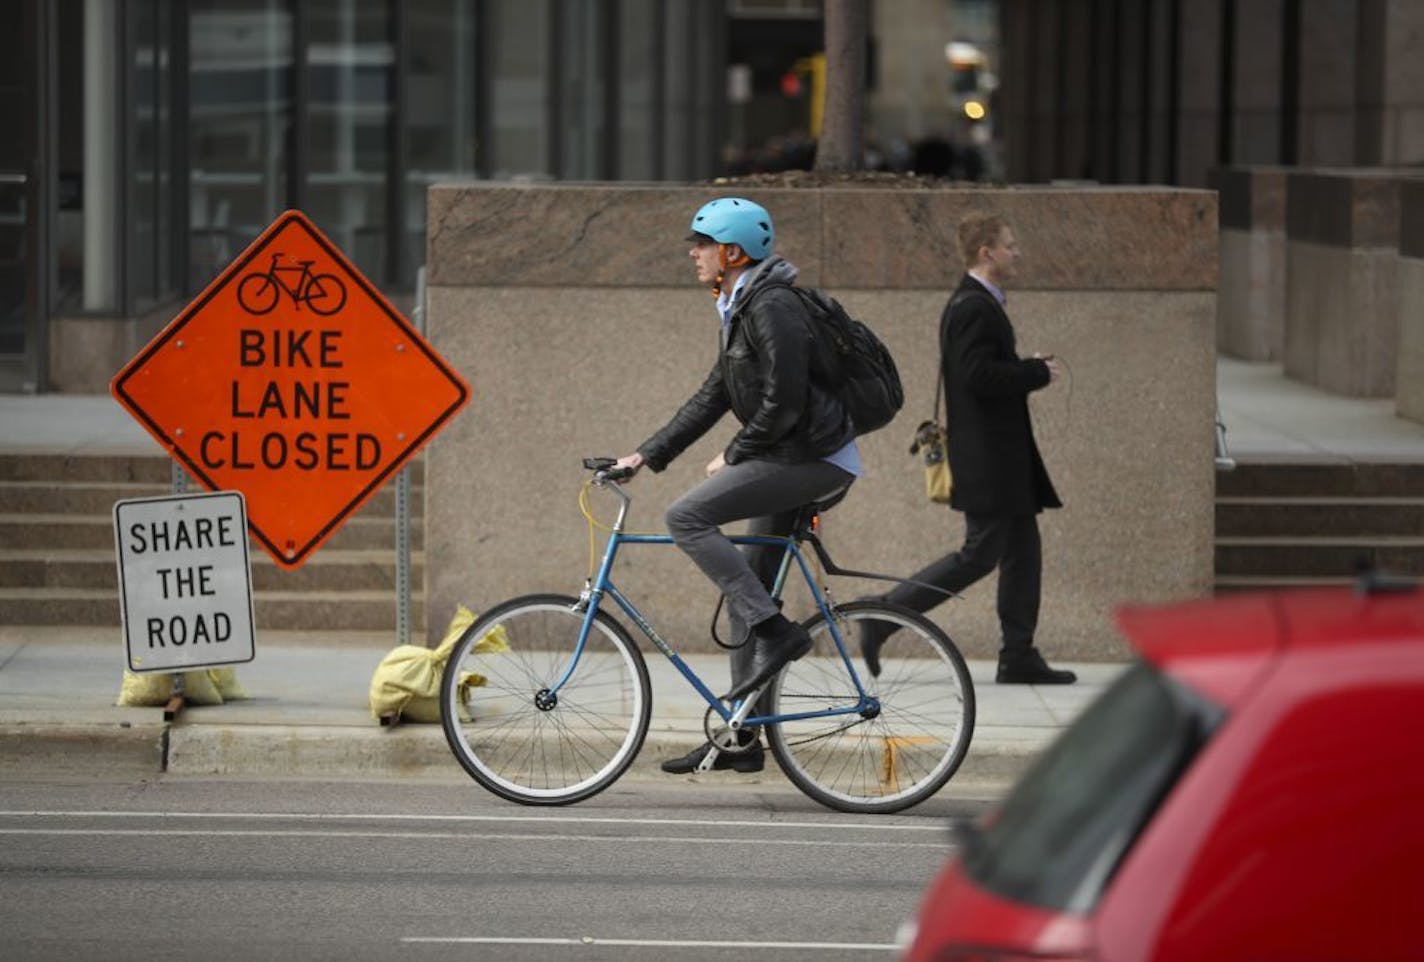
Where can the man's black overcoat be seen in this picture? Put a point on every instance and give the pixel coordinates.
(996, 465)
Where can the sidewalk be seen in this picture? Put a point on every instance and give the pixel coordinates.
(307, 716)
(1271, 418)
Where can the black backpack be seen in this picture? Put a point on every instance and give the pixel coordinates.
(860, 369)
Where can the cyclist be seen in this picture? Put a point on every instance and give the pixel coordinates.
(795, 444)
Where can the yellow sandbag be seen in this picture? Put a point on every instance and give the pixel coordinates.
(145, 691)
(225, 680)
(152, 690)
(427, 710)
(198, 688)
(406, 684)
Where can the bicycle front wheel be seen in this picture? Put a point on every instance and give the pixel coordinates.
(516, 735)
(257, 293)
(903, 753)
(325, 294)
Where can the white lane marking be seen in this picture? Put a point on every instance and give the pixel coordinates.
(406, 817)
(464, 836)
(660, 943)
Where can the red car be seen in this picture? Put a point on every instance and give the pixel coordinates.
(1251, 789)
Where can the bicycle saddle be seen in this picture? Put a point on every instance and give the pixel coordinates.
(819, 506)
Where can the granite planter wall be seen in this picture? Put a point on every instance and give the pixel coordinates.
(574, 313)
(1251, 296)
(1409, 380)
(1342, 290)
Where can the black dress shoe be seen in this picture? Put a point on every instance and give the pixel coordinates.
(752, 760)
(1031, 669)
(778, 642)
(872, 639)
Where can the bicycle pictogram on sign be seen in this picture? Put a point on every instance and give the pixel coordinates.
(260, 291)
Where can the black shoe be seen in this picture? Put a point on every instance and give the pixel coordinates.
(752, 760)
(873, 635)
(778, 642)
(1029, 668)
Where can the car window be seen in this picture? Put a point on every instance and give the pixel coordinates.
(1064, 828)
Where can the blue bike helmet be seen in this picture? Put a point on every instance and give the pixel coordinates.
(733, 220)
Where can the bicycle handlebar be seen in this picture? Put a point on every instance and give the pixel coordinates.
(603, 469)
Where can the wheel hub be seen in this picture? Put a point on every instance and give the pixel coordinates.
(545, 700)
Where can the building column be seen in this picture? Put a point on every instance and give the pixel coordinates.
(101, 155)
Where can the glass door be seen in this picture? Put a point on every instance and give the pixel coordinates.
(22, 302)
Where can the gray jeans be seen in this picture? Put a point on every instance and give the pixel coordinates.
(767, 492)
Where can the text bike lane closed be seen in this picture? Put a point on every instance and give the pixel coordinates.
(292, 380)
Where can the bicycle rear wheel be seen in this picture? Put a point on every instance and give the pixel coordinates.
(325, 294)
(507, 731)
(910, 748)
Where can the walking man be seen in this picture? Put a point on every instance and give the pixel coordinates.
(1000, 482)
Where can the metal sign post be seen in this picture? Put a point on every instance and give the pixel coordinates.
(176, 700)
(403, 508)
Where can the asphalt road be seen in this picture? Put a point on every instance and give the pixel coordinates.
(229, 870)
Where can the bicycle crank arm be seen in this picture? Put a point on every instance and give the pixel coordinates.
(708, 760)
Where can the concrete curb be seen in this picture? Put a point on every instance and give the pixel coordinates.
(118, 749)
(415, 751)
(308, 717)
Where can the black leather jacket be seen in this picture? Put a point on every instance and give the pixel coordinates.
(763, 375)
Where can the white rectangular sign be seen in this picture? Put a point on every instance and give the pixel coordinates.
(185, 581)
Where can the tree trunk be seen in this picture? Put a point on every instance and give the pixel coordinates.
(840, 146)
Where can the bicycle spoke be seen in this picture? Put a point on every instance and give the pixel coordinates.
(909, 748)
(585, 736)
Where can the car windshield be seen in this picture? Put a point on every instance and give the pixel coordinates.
(1064, 828)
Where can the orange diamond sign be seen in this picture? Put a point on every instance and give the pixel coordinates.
(292, 380)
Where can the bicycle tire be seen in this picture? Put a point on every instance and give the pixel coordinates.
(251, 299)
(325, 301)
(901, 756)
(549, 756)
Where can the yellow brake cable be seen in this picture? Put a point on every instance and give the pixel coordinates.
(587, 510)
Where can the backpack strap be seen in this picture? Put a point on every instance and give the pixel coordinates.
(760, 290)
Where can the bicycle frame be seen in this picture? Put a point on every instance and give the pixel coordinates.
(304, 270)
(740, 714)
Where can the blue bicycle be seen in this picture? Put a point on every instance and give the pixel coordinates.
(545, 699)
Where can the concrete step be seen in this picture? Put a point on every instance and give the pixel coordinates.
(1318, 557)
(1228, 584)
(150, 469)
(57, 560)
(47, 532)
(96, 569)
(58, 468)
(284, 610)
(98, 497)
(1319, 516)
(1324, 479)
